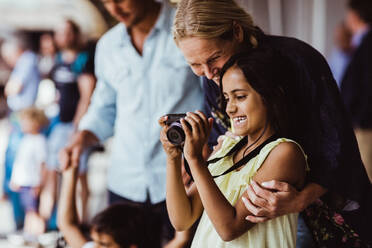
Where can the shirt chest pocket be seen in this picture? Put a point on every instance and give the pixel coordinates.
(117, 76)
(174, 76)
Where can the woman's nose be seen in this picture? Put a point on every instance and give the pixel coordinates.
(209, 72)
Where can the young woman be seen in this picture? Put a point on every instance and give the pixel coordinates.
(254, 91)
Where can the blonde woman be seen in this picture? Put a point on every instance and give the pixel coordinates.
(208, 32)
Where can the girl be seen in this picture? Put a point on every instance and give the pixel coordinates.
(254, 89)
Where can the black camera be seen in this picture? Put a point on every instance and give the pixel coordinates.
(175, 133)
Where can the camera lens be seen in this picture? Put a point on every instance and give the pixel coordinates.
(175, 134)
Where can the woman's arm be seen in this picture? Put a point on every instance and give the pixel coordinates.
(86, 85)
(286, 162)
(271, 199)
(67, 216)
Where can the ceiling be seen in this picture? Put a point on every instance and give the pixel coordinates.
(45, 14)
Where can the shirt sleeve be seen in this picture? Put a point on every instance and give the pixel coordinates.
(101, 114)
(26, 65)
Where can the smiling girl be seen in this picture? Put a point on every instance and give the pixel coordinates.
(254, 89)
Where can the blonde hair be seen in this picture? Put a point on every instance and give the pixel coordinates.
(211, 19)
(34, 114)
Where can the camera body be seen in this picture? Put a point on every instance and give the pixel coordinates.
(175, 133)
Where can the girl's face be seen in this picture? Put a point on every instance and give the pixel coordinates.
(206, 57)
(244, 106)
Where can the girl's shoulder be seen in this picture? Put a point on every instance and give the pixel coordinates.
(283, 146)
(282, 160)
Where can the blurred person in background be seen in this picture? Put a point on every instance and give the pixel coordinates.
(341, 53)
(75, 82)
(28, 172)
(141, 75)
(356, 84)
(20, 91)
(21, 88)
(47, 54)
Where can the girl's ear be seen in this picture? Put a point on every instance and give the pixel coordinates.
(238, 32)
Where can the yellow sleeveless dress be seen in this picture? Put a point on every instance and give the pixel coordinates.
(276, 233)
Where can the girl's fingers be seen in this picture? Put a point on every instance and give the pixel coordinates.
(204, 120)
(194, 123)
(162, 120)
(186, 127)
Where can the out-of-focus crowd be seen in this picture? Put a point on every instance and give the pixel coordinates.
(47, 92)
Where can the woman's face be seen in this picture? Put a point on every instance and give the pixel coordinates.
(244, 105)
(206, 57)
(65, 36)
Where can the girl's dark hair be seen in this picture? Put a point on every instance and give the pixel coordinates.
(122, 222)
(272, 76)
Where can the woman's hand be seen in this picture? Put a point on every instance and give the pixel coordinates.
(197, 128)
(271, 200)
(172, 151)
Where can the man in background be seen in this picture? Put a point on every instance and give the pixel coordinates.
(141, 76)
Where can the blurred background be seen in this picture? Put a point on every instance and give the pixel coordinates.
(313, 21)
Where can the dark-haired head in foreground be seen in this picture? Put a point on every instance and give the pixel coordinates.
(117, 226)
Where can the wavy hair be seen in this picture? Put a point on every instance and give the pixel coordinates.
(211, 19)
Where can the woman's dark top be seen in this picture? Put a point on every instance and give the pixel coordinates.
(65, 76)
(322, 127)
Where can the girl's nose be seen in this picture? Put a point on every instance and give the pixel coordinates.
(230, 108)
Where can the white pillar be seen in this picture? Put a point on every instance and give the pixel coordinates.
(319, 25)
(275, 17)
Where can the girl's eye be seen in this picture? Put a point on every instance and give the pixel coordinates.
(241, 97)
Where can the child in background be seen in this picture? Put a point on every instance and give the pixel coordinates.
(27, 174)
(117, 226)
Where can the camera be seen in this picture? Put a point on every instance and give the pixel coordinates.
(175, 133)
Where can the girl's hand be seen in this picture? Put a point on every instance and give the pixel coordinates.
(197, 129)
(172, 151)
